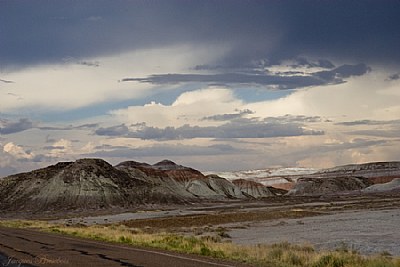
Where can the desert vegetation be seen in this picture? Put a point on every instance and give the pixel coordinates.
(282, 254)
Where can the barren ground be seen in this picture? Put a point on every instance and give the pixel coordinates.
(366, 223)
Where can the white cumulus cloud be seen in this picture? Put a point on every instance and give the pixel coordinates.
(17, 151)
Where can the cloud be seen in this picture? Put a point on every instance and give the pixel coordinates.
(86, 126)
(393, 133)
(243, 128)
(230, 116)
(60, 148)
(9, 127)
(261, 65)
(165, 150)
(17, 151)
(117, 130)
(393, 77)
(283, 82)
(16, 158)
(275, 30)
(188, 108)
(344, 71)
(288, 118)
(254, 54)
(279, 81)
(355, 150)
(361, 97)
(368, 122)
(54, 147)
(96, 88)
(322, 63)
(388, 129)
(6, 81)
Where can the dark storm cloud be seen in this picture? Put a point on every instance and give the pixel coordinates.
(10, 127)
(241, 128)
(334, 76)
(284, 82)
(35, 32)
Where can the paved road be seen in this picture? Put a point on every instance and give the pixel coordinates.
(43, 249)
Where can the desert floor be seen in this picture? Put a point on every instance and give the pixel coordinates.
(365, 223)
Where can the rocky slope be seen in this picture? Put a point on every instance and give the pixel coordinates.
(354, 177)
(92, 184)
(325, 186)
(252, 188)
(393, 185)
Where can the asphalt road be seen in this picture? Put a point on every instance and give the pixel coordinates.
(21, 247)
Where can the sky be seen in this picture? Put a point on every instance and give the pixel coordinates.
(215, 85)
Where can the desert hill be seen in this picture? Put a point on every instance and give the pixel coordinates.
(83, 184)
(92, 184)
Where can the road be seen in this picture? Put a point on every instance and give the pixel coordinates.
(33, 248)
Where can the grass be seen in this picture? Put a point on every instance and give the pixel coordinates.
(277, 255)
